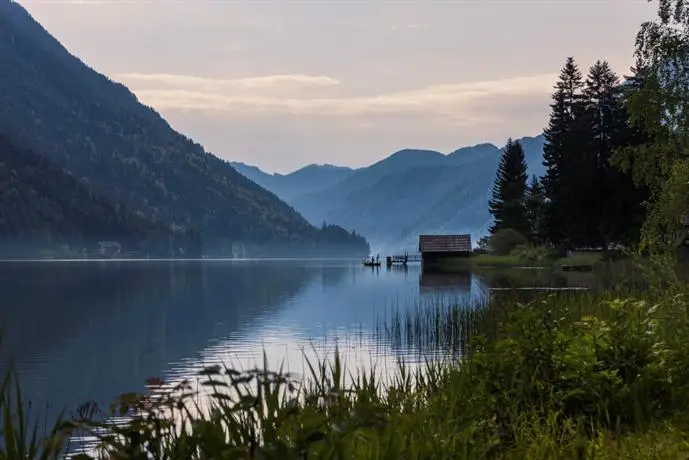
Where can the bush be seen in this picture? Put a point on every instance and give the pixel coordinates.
(531, 253)
(612, 371)
(506, 240)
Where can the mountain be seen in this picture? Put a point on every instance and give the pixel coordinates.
(83, 122)
(43, 207)
(309, 179)
(411, 192)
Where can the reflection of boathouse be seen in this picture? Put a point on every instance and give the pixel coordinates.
(444, 282)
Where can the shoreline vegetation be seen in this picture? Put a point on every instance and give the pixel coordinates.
(568, 375)
(520, 261)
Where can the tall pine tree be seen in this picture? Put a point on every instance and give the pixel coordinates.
(561, 151)
(509, 191)
(615, 203)
(629, 192)
(605, 120)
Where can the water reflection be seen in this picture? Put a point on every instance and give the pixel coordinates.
(445, 282)
(92, 330)
(517, 278)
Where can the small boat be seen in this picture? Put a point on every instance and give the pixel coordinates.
(368, 263)
(372, 262)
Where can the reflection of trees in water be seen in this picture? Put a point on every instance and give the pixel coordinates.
(96, 330)
(45, 303)
(539, 278)
(521, 278)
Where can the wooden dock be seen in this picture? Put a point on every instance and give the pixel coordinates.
(402, 259)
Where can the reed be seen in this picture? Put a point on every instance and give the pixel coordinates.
(434, 328)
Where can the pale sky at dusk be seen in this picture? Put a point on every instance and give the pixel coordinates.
(281, 84)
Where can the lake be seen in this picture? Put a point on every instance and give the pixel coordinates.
(91, 330)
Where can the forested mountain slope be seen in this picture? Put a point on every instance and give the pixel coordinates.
(44, 207)
(53, 103)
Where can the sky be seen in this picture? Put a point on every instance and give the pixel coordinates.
(281, 84)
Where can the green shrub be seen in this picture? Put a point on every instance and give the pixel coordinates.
(504, 241)
(531, 253)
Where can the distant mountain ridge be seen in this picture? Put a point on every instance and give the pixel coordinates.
(409, 192)
(308, 179)
(54, 104)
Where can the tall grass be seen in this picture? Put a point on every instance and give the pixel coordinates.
(600, 374)
(24, 435)
(434, 328)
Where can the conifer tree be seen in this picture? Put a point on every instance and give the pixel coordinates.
(604, 120)
(509, 191)
(560, 156)
(615, 209)
(628, 190)
(534, 204)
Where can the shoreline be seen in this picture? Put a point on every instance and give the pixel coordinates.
(489, 261)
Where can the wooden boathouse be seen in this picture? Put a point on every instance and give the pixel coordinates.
(435, 248)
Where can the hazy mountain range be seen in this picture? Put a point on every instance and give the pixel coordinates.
(409, 192)
(124, 153)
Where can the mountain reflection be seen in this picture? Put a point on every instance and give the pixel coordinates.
(91, 331)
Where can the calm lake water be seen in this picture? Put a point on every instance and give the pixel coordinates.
(90, 331)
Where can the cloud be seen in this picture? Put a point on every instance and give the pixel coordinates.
(270, 81)
(281, 94)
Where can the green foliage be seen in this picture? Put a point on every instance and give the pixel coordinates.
(602, 368)
(505, 241)
(483, 245)
(20, 436)
(532, 253)
(658, 108)
(507, 204)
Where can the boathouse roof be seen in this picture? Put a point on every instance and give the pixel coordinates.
(445, 243)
